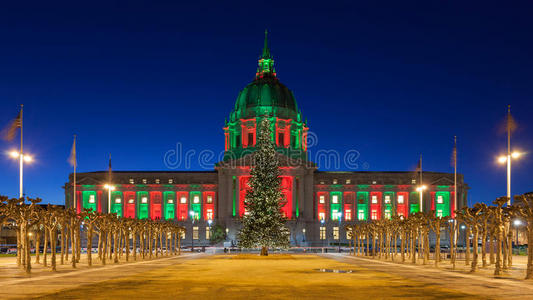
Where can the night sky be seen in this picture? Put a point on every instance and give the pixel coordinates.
(388, 79)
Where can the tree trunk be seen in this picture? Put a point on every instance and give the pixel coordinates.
(116, 243)
(491, 249)
(103, 254)
(529, 228)
(89, 245)
(37, 246)
(53, 247)
(179, 243)
(19, 245)
(437, 246)
(475, 245)
(73, 243)
(484, 247)
(467, 253)
(134, 242)
(498, 267)
(62, 259)
(264, 251)
(45, 248)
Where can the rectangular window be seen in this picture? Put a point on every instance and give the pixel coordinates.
(209, 199)
(207, 233)
(322, 233)
(171, 181)
(387, 213)
(157, 181)
(132, 181)
(334, 214)
(118, 200)
(335, 233)
(348, 181)
(322, 216)
(170, 201)
(281, 139)
(374, 199)
(145, 181)
(250, 138)
(400, 199)
(131, 201)
(374, 215)
(195, 232)
(322, 199)
(91, 199)
(413, 181)
(348, 234)
(335, 199)
(335, 181)
(361, 214)
(183, 235)
(144, 200)
(440, 200)
(439, 212)
(183, 200)
(348, 214)
(196, 199)
(209, 214)
(387, 198)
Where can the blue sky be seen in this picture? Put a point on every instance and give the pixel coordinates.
(388, 79)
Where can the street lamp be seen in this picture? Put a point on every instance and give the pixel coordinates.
(109, 188)
(507, 159)
(324, 239)
(517, 223)
(192, 214)
(23, 158)
(339, 216)
(421, 190)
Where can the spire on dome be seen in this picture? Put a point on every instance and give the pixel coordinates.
(266, 51)
(265, 63)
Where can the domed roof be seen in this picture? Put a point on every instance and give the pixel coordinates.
(266, 95)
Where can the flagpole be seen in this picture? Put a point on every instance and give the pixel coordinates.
(21, 156)
(455, 173)
(509, 155)
(75, 163)
(421, 186)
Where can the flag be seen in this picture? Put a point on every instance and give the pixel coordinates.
(9, 131)
(109, 163)
(72, 158)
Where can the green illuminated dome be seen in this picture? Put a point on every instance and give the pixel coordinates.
(265, 96)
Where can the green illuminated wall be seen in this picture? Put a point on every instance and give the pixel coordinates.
(169, 209)
(445, 206)
(143, 211)
(388, 206)
(362, 204)
(117, 207)
(414, 202)
(85, 197)
(196, 207)
(335, 207)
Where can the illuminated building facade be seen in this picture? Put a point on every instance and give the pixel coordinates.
(317, 204)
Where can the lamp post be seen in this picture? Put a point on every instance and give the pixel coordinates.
(192, 214)
(109, 188)
(324, 239)
(339, 216)
(421, 189)
(517, 223)
(507, 159)
(23, 158)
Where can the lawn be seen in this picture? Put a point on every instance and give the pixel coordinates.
(251, 276)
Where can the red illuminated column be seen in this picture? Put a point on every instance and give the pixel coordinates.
(79, 202)
(452, 205)
(432, 200)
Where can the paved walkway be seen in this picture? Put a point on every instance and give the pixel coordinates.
(46, 282)
(477, 284)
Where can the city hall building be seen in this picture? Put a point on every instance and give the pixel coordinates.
(317, 204)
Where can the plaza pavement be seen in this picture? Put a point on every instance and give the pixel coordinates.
(246, 276)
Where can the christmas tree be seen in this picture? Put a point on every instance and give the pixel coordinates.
(263, 224)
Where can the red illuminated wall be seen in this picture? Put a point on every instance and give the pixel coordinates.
(99, 204)
(375, 206)
(322, 207)
(452, 204)
(209, 206)
(243, 187)
(80, 202)
(349, 208)
(286, 190)
(432, 200)
(155, 205)
(129, 212)
(182, 212)
(402, 209)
